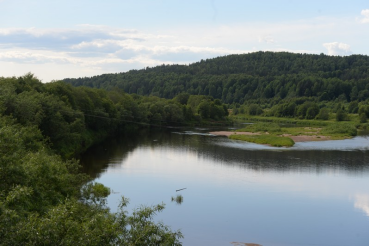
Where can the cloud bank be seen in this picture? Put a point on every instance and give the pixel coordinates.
(87, 50)
(338, 49)
(100, 48)
(365, 13)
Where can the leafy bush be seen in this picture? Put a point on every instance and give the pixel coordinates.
(341, 115)
(363, 118)
(341, 129)
(323, 114)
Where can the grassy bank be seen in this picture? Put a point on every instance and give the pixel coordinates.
(272, 140)
(280, 134)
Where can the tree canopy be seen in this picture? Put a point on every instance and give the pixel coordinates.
(44, 199)
(253, 76)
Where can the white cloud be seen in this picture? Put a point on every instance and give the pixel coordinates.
(338, 49)
(97, 45)
(365, 13)
(266, 39)
(106, 49)
(362, 202)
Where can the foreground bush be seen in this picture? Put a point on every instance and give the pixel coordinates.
(44, 200)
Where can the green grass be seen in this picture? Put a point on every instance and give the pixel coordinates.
(296, 131)
(334, 130)
(272, 140)
(262, 127)
(275, 127)
(280, 120)
(340, 130)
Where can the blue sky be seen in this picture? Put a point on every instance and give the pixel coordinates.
(58, 39)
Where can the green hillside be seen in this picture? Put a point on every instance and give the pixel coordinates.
(266, 76)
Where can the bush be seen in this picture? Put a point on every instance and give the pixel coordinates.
(323, 114)
(254, 109)
(341, 115)
(344, 129)
(362, 118)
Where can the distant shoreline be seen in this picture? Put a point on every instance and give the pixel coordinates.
(300, 138)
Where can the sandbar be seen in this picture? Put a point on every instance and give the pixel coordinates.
(299, 138)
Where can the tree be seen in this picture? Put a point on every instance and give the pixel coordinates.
(323, 114)
(362, 118)
(204, 109)
(341, 115)
(254, 109)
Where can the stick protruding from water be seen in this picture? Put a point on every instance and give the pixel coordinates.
(181, 189)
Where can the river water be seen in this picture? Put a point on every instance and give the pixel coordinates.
(315, 193)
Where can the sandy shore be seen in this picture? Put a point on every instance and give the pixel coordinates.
(300, 138)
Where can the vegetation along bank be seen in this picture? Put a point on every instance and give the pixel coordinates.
(44, 199)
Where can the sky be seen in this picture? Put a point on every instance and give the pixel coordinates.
(56, 39)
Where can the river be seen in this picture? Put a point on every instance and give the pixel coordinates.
(315, 193)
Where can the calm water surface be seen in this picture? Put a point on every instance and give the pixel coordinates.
(315, 193)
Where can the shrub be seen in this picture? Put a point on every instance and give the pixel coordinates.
(323, 114)
(341, 115)
(344, 129)
(363, 118)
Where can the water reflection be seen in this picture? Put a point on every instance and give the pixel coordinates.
(238, 193)
(362, 202)
(178, 199)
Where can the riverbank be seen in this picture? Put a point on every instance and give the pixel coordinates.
(300, 138)
(276, 135)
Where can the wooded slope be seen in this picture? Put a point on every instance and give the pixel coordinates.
(239, 78)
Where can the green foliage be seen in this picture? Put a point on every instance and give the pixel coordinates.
(323, 114)
(272, 140)
(353, 107)
(307, 110)
(364, 109)
(259, 77)
(363, 118)
(72, 222)
(182, 98)
(340, 129)
(254, 109)
(284, 110)
(44, 200)
(74, 118)
(262, 127)
(341, 115)
(95, 194)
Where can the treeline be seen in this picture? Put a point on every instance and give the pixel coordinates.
(241, 78)
(73, 118)
(307, 108)
(44, 199)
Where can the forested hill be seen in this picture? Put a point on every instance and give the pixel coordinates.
(240, 78)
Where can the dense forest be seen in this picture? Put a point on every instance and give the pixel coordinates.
(44, 199)
(256, 77)
(72, 118)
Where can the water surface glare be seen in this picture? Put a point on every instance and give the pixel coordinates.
(314, 193)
